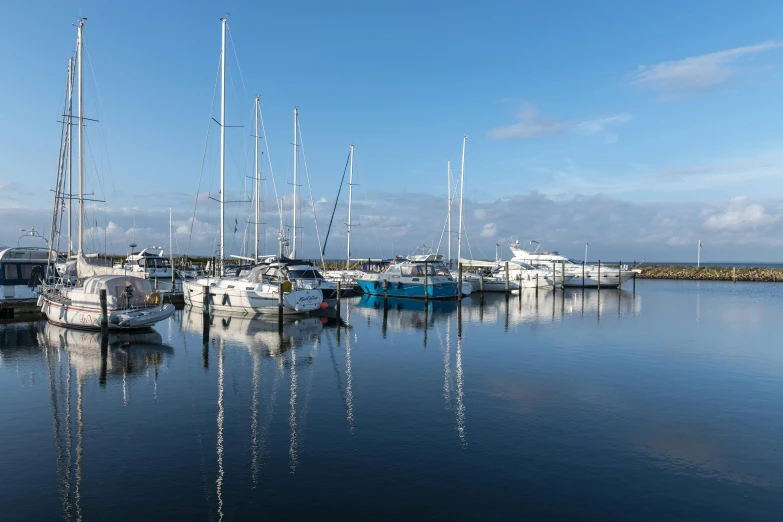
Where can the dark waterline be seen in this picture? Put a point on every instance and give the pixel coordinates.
(658, 405)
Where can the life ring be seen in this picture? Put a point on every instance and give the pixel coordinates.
(153, 298)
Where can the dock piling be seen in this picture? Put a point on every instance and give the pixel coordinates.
(280, 309)
(459, 282)
(507, 287)
(104, 315)
(599, 275)
(338, 298)
(554, 276)
(426, 281)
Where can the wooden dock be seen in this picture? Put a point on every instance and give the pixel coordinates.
(20, 309)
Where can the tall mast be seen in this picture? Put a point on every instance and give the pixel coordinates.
(461, 191)
(296, 181)
(171, 248)
(258, 185)
(350, 204)
(223, 21)
(81, 135)
(448, 202)
(69, 142)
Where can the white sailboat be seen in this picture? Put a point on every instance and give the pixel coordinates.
(255, 291)
(131, 302)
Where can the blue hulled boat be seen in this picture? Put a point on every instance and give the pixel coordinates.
(416, 277)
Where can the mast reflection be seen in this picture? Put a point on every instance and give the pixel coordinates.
(71, 353)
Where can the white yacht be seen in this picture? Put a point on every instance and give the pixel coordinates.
(256, 291)
(610, 276)
(149, 261)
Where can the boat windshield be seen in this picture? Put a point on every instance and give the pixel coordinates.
(311, 273)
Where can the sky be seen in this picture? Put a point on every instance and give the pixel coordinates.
(640, 128)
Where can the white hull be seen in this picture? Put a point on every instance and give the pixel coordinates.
(609, 278)
(87, 317)
(248, 298)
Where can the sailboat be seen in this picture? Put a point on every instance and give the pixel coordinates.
(258, 290)
(130, 301)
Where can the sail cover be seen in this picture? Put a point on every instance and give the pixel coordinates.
(86, 269)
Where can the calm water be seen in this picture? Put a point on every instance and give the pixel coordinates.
(666, 404)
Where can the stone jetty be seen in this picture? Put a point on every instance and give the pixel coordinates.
(712, 273)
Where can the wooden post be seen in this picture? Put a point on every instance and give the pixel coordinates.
(536, 286)
(280, 308)
(599, 274)
(459, 281)
(507, 287)
(481, 283)
(554, 276)
(562, 275)
(104, 314)
(205, 323)
(426, 281)
(338, 298)
(385, 291)
(634, 282)
(583, 275)
(734, 274)
(619, 274)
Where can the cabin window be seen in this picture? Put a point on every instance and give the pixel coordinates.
(11, 271)
(27, 271)
(409, 271)
(394, 269)
(304, 274)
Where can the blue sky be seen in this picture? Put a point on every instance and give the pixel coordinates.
(638, 127)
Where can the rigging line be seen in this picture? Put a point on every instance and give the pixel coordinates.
(342, 181)
(103, 195)
(203, 157)
(310, 189)
(445, 225)
(60, 181)
(239, 68)
(278, 202)
(104, 116)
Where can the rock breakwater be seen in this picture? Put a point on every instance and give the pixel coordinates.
(712, 273)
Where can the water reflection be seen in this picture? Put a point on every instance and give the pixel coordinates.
(72, 357)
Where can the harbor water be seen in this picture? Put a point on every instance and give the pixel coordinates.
(662, 403)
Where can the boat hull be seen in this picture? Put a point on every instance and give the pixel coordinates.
(409, 290)
(237, 300)
(612, 279)
(89, 318)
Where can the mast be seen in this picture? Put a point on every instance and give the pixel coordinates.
(350, 204)
(461, 191)
(258, 185)
(223, 21)
(81, 135)
(296, 122)
(171, 249)
(448, 202)
(70, 154)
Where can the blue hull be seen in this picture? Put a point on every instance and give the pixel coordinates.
(409, 291)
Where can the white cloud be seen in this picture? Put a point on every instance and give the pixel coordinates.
(696, 73)
(530, 125)
(741, 216)
(480, 214)
(599, 125)
(490, 230)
